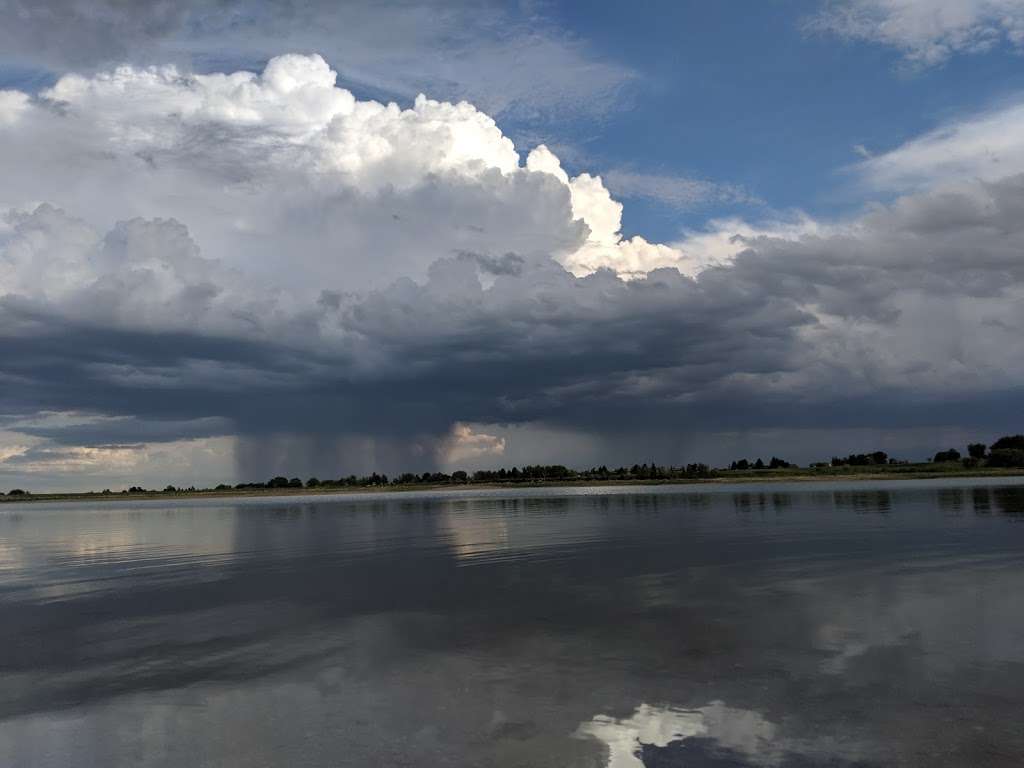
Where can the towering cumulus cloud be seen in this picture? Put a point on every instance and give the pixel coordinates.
(267, 258)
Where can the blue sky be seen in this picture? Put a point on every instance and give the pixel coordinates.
(741, 93)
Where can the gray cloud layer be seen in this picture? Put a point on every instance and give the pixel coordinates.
(917, 305)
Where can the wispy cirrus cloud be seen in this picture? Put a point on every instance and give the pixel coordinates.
(926, 32)
(986, 146)
(680, 192)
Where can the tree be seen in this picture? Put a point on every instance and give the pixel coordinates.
(951, 455)
(459, 476)
(312, 483)
(1006, 457)
(1009, 442)
(976, 450)
(17, 492)
(295, 483)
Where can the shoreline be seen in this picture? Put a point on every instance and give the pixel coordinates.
(751, 477)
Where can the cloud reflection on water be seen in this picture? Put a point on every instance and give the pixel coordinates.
(738, 730)
(885, 621)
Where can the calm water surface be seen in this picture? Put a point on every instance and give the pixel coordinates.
(815, 625)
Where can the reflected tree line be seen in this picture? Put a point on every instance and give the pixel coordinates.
(982, 501)
(1002, 500)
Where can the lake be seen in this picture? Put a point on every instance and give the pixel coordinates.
(792, 625)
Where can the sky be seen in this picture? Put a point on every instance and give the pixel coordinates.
(241, 239)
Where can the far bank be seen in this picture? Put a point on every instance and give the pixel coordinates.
(784, 475)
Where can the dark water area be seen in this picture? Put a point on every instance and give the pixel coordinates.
(867, 624)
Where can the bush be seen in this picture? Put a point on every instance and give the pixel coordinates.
(1006, 457)
(1011, 442)
(951, 455)
(861, 459)
(17, 492)
(976, 450)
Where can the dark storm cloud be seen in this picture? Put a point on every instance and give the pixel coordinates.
(508, 264)
(956, 242)
(98, 433)
(794, 334)
(543, 339)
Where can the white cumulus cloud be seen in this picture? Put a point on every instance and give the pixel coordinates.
(463, 443)
(605, 247)
(739, 730)
(288, 175)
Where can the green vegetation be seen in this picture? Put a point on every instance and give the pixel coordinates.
(1003, 457)
(1007, 452)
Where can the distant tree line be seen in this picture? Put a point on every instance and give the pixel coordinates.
(526, 474)
(1006, 452)
(863, 460)
(774, 463)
